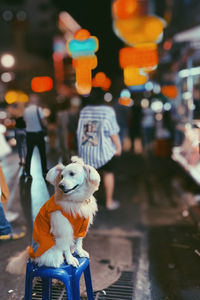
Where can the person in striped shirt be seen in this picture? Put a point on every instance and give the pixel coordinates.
(98, 140)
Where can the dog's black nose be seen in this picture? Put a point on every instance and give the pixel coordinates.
(61, 186)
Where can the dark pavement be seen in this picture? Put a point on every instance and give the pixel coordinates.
(148, 249)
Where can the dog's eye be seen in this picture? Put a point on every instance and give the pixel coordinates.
(71, 173)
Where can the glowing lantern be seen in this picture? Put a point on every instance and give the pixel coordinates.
(101, 80)
(123, 9)
(134, 76)
(41, 84)
(169, 91)
(140, 57)
(142, 32)
(133, 28)
(136, 61)
(146, 29)
(125, 93)
(13, 96)
(82, 49)
(124, 101)
(125, 98)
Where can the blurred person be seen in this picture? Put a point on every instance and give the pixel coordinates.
(34, 118)
(135, 126)
(148, 127)
(5, 193)
(52, 135)
(164, 135)
(123, 116)
(5, 149)
(6, 230)
(99, 142)
(73, 117)
(20, 136)
(62, 125)
(52, 131)
(196, 100)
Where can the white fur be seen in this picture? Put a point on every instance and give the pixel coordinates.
(54, 172)
(17, 263)
(74, 188)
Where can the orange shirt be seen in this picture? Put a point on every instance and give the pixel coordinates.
(42, 238)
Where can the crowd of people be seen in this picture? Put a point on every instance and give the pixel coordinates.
(93, 129)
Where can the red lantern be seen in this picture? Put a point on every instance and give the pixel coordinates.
(101, 80)
(41, 84)
(169, 91)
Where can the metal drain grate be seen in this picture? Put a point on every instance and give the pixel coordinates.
(122, 289)
(58, 291)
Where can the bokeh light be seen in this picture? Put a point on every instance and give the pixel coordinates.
(158, 117)
(7, 76)
(157, 106)
(108, 97)
(42, 84)
(7, 60)
(167, 106)
(145, 103)
(3, 115)
(46, 112)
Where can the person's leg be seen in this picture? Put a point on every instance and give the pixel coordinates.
(109, 182)
(30, 139)
(6, 230)
(5, 226)
(18, 140)
(42, 150)
(24, 148)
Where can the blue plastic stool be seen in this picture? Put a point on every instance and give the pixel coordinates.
(68, 274)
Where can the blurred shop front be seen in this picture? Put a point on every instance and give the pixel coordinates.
(187, 153)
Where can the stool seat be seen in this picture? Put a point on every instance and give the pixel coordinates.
(68, 274)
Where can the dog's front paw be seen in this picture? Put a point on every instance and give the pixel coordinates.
(71, 260)
(82, 253)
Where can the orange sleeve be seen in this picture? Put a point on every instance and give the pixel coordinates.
(42, 238)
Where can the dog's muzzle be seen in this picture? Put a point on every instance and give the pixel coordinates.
(62, 187)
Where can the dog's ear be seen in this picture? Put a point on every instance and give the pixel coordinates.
(92, 174)
(54, 172)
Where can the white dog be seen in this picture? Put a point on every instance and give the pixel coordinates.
(64, 219)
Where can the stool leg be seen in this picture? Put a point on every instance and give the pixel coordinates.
(88, 283)
(68, 285)
(76, 288)
(28, 282)
(46, 288)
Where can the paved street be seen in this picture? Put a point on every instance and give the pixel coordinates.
(148, 249)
